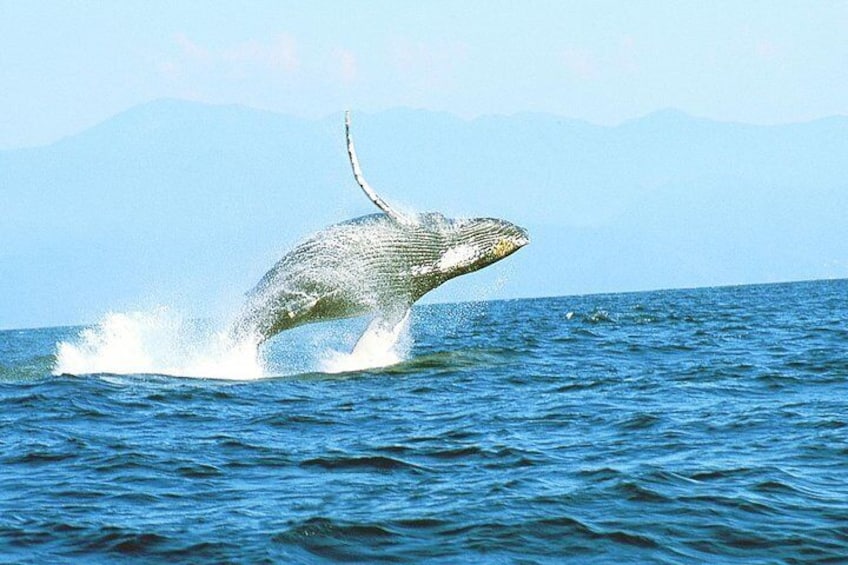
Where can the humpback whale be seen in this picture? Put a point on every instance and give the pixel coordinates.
(380, 263)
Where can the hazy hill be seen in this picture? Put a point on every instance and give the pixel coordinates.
(186, 204)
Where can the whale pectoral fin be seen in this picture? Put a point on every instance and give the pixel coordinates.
(386, 323)
(363, 184)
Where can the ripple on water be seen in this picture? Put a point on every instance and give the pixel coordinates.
(700, 426)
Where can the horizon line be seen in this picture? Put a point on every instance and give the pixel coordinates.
(425, 303)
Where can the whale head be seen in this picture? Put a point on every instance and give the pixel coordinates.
(473, 243)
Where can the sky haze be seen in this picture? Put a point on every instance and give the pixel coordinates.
(155, 152)
(68, 65)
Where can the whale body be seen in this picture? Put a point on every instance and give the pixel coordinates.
(380, 263)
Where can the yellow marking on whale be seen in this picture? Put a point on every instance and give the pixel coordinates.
(502, 247)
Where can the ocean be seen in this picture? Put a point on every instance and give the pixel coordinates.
(681, 426)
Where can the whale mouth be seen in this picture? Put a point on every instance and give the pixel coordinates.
(522, 239)
(511, 243)
(519, 239)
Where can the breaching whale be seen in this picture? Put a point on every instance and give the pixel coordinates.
(380, 263)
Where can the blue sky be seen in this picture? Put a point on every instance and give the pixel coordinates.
(68, 65)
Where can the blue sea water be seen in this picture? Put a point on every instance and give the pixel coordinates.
(687, 426)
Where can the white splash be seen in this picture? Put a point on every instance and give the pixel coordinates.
(378, 347)
(158, 342)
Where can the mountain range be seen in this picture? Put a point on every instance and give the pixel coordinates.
(186, 204)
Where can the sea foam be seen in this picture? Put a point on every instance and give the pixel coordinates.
(159, 342)
(162, 342)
